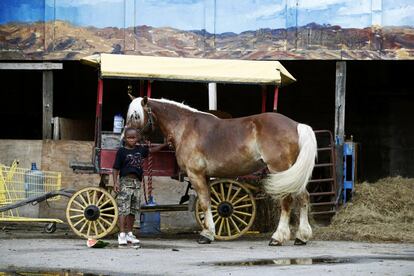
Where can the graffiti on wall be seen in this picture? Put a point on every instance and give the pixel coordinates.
(247, 29)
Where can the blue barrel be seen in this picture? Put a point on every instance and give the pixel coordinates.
(33, 182)
(150, 221)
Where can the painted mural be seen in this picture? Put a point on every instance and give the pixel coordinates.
(246, 29)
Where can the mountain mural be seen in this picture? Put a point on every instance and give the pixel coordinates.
(247, 29)
(62, 40)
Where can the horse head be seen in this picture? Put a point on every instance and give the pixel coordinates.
(139, 115)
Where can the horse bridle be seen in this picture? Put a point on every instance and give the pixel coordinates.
(150, 121)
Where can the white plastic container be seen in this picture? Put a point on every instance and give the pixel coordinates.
(118, 123)
(33, 182)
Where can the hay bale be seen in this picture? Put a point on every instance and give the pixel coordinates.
(380, 211)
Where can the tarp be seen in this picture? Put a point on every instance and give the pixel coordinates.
(190, 69)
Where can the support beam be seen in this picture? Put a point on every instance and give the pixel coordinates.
(340, 89)
(149, 90)
(47, 104)
(275, 98)
(212, 96)
(98, 114)
(340, 86)
(31, 66)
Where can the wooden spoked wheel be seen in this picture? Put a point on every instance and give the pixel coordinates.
(92, 213)
(233, 207)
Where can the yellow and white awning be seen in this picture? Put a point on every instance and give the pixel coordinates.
(190, 69)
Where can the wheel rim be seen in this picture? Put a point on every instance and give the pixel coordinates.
(233, 207)
(92, 213)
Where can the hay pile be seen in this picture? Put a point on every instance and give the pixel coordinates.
(381, 211)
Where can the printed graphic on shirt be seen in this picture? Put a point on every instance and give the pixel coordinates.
(133, 160)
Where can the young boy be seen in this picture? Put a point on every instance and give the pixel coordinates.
(127, 175)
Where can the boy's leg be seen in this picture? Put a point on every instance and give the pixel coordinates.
(135, 205)
(130, 219)
(122, 223)
(122, 240)
(122, 201)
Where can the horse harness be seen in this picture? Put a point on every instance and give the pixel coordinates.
(150, 122)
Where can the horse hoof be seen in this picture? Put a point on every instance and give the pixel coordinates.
(299, 242)
(204, 240)
(274, 242)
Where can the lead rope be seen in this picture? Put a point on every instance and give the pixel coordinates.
(149, 173)
(148, 188)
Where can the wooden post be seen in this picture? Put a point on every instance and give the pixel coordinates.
(56, 128)
(47, 104)
(340, 86)
(340, 89)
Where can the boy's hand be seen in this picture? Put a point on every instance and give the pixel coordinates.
(116, 187)
(170, 141)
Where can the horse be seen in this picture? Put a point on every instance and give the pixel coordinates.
(207, 146)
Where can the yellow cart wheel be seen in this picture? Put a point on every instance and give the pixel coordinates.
(92, 213)
(233, 207)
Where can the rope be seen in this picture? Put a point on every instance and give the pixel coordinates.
(148, 187)
(145, 190)
(149, 173)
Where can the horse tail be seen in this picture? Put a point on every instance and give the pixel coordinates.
(295, 179)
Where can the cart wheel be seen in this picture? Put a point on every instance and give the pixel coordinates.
(233, 207)
(50, 227)
(92, 213)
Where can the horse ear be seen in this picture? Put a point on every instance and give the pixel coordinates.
(131, 96)
(144, 101)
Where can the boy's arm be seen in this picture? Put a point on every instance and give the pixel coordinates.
(168, 142)
(157, 148)
(115, 176)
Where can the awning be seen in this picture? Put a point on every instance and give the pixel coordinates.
(190, 69)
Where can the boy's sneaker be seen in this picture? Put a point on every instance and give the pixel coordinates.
(132, 239)
(122, 239)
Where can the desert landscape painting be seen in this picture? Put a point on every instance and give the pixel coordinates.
(243, 29)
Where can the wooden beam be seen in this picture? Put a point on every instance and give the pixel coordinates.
(340, 89)
(47, 104)
(31, 66)
(340, 86)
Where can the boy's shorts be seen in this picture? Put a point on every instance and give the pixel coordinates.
(128, 198)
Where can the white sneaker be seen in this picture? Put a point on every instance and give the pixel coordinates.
(132, 239)
(122, 239)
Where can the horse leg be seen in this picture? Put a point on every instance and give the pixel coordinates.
(304, 232)
(282, 233)
(199, 183)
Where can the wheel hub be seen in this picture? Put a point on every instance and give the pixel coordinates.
(225, 209)
(91, 212)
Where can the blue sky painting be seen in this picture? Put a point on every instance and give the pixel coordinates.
(213, 15)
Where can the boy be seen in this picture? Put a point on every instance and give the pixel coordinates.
(127, 175)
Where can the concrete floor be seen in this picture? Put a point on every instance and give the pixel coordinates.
(22, 251)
